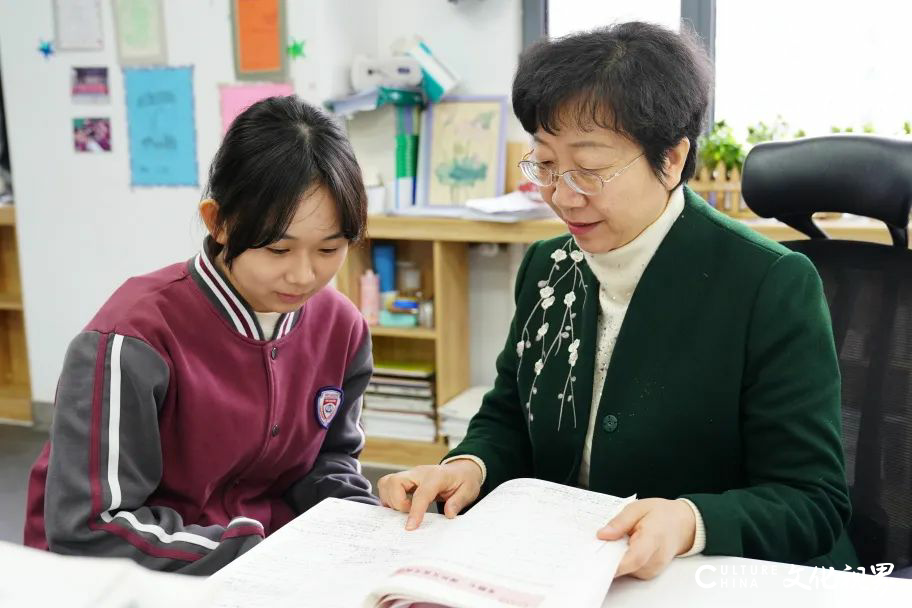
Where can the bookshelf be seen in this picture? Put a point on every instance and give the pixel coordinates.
(15, 396)
(440, 247)
(445, 278)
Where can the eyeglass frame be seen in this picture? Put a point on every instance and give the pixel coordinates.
(555, 177)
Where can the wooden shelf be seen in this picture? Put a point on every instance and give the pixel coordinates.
(401, 454)
(462, 231)
(414, 333)
(10, 301)
(15, 397)
(854, 229)
(15, 403)
(397, 227)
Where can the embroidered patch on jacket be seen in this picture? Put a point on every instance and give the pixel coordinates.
(555, 340)
(327, 403)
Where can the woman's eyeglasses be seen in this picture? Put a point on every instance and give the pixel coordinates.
(579, 180)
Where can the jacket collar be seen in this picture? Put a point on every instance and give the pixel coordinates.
(228, 302)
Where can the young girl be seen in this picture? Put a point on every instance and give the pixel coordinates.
(208, 403)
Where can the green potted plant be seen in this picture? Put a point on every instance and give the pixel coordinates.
(762, 132)
(720, 157)
(719, 147)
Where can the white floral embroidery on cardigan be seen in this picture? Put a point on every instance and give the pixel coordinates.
(563, 340)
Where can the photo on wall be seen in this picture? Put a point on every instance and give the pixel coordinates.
(89, 85)
(92, 134)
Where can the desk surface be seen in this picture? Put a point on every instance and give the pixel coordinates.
(709, 582)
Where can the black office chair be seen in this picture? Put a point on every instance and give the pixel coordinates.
(869, 290)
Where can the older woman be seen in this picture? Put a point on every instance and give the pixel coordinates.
(661, 348)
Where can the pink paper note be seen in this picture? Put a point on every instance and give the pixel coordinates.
(236, 98)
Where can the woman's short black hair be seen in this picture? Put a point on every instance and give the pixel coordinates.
(276, 152)
(639, 79)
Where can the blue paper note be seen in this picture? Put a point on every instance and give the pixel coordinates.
(161, 126)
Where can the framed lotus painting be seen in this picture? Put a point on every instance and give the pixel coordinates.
(462, 150)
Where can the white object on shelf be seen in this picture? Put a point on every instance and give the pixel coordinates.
(456, 413)
(399, 425)
(376, 199)
(516, 207)
(397, 72)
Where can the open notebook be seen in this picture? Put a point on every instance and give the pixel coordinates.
(529, 543)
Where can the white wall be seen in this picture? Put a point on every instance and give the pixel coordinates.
(82, 229)
(480, 41)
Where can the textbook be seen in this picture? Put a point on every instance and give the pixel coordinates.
(529, 543)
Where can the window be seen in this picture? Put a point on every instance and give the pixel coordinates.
(568, 16)
(816, 64)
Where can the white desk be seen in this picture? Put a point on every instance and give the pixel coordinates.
(708, 582)
(39, 579)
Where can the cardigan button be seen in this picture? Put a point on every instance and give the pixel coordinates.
(274, 353)
(610, 423)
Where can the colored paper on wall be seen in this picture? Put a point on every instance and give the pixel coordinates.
(140, 28)
(161, 128)
(259, 34)
(77, 25)
(234, 99)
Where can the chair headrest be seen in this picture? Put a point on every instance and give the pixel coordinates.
(859, 174)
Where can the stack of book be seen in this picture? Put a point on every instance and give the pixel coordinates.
(456, 414)
(399, 402)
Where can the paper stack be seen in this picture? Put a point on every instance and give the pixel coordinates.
(399, 402)
(456, 413)
(514, 207)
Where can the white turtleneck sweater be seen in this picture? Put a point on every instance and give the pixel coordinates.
(618, 273)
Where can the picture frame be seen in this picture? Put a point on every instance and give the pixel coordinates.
(462, 150)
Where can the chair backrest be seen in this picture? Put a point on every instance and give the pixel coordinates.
(869, 290)
(858, 174)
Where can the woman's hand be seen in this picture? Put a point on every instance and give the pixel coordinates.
(659, 530)
(457, 482)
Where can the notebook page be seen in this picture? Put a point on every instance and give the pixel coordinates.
(530, 543)
(330, 557)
